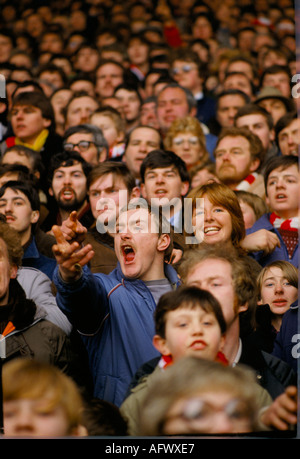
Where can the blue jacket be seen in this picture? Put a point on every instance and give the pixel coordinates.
(114, 315)
(32, 258)
(286, 345)
(280, 253)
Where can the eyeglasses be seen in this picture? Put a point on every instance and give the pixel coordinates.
(83, 145)
(199, 410)
(185, 69)
(193, 140)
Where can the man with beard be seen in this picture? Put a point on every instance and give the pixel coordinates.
(68, 188)
(238, 155)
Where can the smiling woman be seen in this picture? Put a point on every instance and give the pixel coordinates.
(219, 218)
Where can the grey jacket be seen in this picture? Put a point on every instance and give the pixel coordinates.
(37, 287)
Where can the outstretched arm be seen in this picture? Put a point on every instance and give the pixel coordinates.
(70, 256)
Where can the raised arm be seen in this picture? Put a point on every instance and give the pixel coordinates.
(70, 256)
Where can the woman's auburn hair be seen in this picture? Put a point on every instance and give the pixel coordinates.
(220, 194)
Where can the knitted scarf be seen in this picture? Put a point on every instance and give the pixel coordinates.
(290, 224)
(247, 182)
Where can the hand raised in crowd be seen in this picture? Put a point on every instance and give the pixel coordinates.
(282, 414)
(260, 240)
(72, 229)
(70, 256)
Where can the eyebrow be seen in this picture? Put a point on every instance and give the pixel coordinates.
(285, 175)
(15, 198)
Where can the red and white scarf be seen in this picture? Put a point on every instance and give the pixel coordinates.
(247, 182)
(290, 224)
(166, 360)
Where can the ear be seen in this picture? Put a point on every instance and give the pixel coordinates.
(222, 343)
(160, 344)
(135, 193)
(272, 135)
(260, 302)
(163, 242)
(46, 123)
(35, 216)
(50, 191)
(243, 308)
(13, 271)
(193, 111)
(143, 191)
(254, 165)
(185, 188)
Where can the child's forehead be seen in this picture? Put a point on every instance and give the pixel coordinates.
(293, 169)
(193, 307)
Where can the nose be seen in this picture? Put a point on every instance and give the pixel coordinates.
(23, 421)
(208, 215)
(160, 178)
(222, 424)
(280, 182)
(76, 148)
(143, 147)
(8, 207)
(278, 287)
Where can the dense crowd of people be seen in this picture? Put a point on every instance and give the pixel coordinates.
(149, 185)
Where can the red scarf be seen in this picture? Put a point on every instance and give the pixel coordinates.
(166, 360)
(290, 224)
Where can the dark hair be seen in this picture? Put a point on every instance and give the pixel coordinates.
(273, 69)
(33, 156)
(164, 158)
(283, 161)
(191, 101)
(98, 137)
(284, 121)
(67, 159)
(186, 296)
(117, 169)
(24, 187)
(254, 109)
(103, 418)
(36, 99)
(233, 92)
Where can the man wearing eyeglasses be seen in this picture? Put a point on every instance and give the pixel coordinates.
(88, 141)
(187, 69)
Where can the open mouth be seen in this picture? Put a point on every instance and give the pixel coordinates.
(280, 196)
(67, 194)
(211, 230)
(198, 345)
(9, 218)
(128, 254)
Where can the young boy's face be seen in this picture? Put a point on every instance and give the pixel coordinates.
(283, 191)
(32, 418)
(28, 122)
(191, 332)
